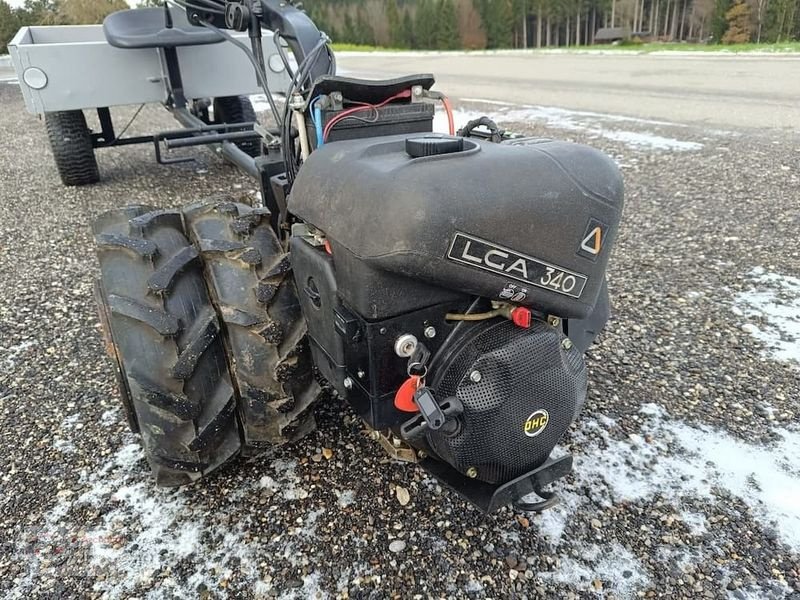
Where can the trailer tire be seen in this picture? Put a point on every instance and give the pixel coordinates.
(71, 143)
(237, 109)
(250, 283)
(166, 338)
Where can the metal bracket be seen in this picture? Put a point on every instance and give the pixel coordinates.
(489, 497)
(393, 445)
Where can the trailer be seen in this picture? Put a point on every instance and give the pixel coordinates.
(137, 57)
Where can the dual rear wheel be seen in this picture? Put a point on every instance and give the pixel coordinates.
(200, 315)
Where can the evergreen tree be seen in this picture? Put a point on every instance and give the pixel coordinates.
(425, 24)
(738, 19)
(349, 34)
(497, 22)
(447, 35)
(719, 25)
(365, 35)
(408, 35)
(781, 21)
(8, 25)
(393, 20)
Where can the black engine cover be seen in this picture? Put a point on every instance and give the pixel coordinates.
(530, 224)
(520, 390)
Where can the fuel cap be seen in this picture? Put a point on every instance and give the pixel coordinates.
(431, 145)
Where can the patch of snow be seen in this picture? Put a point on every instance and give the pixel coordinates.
(674, 459)
(696, 522)
(64, 446)
(144, 529)
(345, 498)
(777, 589)
(286, 471)
(775, 300)
(645, 140)
(614, 565)
(581, 114)
(552, 523)
(110, 417)
(598, 125)
(473, 586)
(9, 356)
(682, 460)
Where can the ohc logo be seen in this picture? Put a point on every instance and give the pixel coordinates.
(537, 423)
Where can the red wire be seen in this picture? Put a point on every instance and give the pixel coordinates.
(449, 110)
(350, 111)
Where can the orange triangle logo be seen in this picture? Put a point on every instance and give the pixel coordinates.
(592, 242)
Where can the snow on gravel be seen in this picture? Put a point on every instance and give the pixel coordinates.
(774, 301)
(9, 356)
(145, 527)
(689, 461)
(592, 124)
(676, 460)
(611, 562)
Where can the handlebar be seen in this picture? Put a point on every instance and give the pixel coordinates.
(299, 31)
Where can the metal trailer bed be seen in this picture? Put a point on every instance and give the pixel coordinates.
(63, 69)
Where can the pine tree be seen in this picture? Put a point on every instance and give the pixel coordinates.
(497, 22)
(8, 25)
(393, 21)
(447, 35)
(365, 35)
(408, 35)
(738, 19)
(425, 24)
(719, 25)
(349, 34)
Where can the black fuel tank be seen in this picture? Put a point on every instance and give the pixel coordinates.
(529, 223)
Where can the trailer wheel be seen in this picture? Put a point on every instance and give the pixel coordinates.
(237, 109)
(165, 335)
(71, 142)
(249, 277)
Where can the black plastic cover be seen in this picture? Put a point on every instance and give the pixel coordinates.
(147, 28)
(532, 224)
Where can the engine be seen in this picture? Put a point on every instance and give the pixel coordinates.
(451, 286)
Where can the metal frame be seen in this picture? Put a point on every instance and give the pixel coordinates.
(112, 76)
(41, 48)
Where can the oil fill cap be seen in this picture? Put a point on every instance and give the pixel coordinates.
(431, 145)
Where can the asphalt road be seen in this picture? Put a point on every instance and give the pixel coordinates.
(702, 89)
(687, 453)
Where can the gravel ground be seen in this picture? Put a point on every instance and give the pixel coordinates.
(687, 481)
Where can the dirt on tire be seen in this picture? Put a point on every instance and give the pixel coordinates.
(251, 285)
(168, 341)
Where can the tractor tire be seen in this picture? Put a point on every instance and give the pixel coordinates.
(165, 336)
(250, 282)
(237, 109)
(71, 142)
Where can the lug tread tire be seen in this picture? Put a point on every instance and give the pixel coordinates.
(71, 143)
(237, 109)
(167, 339)
(251, 285)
